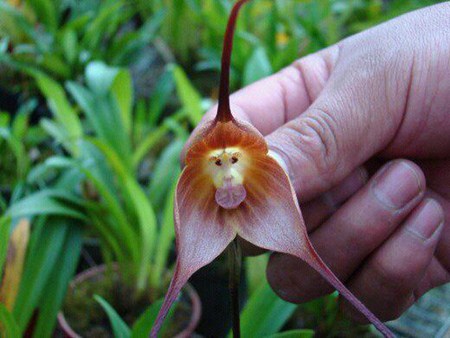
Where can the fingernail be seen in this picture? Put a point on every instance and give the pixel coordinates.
(427, 220)
(396, 185)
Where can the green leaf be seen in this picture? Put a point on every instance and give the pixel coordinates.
(257, 67)
(122, 89)
(54, 292)
(189, 96)
(103, 22)
(69, 43)
(120, 328)
(5, 118)
(160, 96)
(139, 202)
(45, 247)
(16, 24)
(255, 268)
(265, 313)
(165, 172)
(61, 108)
(21, 120)
(127, 48)
(8, 325)
(104, 116)
(165, 240)
(96, 169)
(5, 228)
(143, 325)
(18, 150)
(46, 12)
(148, 143)
(47, 202)
(56, 65)
(147, 225)
(305, 333)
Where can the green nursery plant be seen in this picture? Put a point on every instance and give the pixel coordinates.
(60, 38)
(98, 182)
(18, 138)
(32, 284)
(51, 253)
(103, 150)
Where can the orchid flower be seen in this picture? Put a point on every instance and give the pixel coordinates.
(233, 186)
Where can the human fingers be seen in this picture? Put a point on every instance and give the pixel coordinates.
(347, 238)
(386, 95)
(387, 282)
(315, 212)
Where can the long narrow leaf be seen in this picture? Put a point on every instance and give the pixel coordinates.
(165, 172)
(46, 203)
(46, 12)
(8, 325)
(39, 264)
(5, 228)
(293, 334)
(160, 96)
(63, 111)
(265, 313)
(120, 328)
(141, 206)
(189, 96)
(53, 294)
(122, 89)
(143, 325)
(165, 241)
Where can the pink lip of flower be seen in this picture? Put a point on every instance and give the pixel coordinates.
(231, 186)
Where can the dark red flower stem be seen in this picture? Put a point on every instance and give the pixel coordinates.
(235, 260)
(224, 112)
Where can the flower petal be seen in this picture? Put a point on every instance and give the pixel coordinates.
(221, 135)
(201, 232)
(270, 218)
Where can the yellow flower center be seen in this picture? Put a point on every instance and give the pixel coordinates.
(226, 167)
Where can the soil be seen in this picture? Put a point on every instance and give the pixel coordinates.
(87, 318)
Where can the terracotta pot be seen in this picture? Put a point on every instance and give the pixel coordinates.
(93, 272)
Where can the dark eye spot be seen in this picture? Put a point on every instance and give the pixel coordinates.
(234, 159)
(218, 162)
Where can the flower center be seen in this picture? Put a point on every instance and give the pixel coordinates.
(226, 168)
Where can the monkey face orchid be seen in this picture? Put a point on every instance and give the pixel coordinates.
(231, 186)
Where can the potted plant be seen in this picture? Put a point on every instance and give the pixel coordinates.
(106, 153)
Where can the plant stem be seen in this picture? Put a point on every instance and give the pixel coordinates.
(235, 261)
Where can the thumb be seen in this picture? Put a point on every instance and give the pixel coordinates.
(354, 117)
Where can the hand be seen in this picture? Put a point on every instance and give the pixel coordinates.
(334, 117)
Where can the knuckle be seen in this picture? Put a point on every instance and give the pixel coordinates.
(317, 133)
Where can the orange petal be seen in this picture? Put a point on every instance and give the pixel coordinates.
(220, 135)
(202, 232)
(270, 218)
